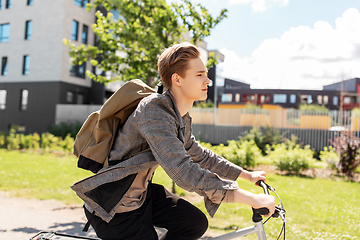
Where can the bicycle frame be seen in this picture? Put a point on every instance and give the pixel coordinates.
(258, 228)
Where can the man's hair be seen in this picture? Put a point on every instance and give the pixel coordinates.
(175, 60)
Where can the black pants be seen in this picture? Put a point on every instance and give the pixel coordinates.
(161, 209)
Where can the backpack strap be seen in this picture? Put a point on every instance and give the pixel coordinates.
(87, 225)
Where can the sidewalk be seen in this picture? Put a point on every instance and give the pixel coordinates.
(21, 219)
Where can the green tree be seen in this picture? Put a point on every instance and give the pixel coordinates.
(129, 46)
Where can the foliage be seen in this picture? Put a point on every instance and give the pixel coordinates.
(264, 138)
(329, 156)
(355, 112)
(13, 140)
(128, 45)
(63, 129)
(3, 140)
(347, 147)
(47, 142)
(205, 104)
(252, 106)
(291, 158)
(313, 109)
(254, 109)
(241, 153)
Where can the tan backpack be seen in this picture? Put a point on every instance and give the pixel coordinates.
(94, 141)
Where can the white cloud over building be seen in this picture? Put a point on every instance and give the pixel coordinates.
(303, 57)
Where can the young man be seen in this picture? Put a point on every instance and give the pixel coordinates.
(159, 133)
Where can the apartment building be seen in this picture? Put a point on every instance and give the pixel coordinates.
(36, 72)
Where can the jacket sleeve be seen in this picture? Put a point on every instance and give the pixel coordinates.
(158, 125)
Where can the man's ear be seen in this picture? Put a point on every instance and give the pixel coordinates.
(175, 79)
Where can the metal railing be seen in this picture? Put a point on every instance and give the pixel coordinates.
(314, 128)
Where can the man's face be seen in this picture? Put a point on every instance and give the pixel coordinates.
(194, 82)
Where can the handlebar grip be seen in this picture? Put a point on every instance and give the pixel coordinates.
(261, 211)
(262, 184)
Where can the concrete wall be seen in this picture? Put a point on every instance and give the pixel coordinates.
(51, 22)
(69, 114)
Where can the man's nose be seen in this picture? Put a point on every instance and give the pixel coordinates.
(208, 81)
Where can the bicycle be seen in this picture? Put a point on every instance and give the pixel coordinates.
(257, 218)
(258, 227)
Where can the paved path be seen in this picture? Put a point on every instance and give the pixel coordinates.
(21, 219)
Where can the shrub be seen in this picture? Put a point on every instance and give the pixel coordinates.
(291, 158)
(13, 140)
(241, 153)
(264, 139)
(347, 147)
(3, 140)
(330, 156)
(68, 143)
(205, 104)
(63, 129)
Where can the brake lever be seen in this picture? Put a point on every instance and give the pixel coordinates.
(279, 212)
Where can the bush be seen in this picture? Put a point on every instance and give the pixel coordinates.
(241, 153)
(13, 140)
(330, 156)
(347, 147)
(47, 141)
(63, 129)
(291, 158)
(264, 139)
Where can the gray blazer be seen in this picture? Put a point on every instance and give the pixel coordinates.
(156, 134)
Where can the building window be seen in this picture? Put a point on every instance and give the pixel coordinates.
(326, 99)
(347, 100)
(4, 66)
(292, 98)
(2, 99)
(24, 99)
(227, 97)
(237, 97)
(84, 35)
(320, 99)
(74, 30)
(335, 100)
(80, 98)
(265, 99)
(81, 3)
(7, 4)
(29, 2)
(4, 32)
(309, 99)
(69, 97)
(28, 30)
(279, 98)
(26, 65)
(78, 70)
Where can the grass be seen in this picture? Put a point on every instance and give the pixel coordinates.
(42, 176)
(316, 208)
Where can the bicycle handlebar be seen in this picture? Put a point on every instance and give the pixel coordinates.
(279, 210)
(262, 211)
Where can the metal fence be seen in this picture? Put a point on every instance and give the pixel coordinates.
(314, 128)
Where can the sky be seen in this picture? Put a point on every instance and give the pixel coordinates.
(287, 44)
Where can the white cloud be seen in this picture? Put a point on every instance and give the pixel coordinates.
(260, 5)
(303, 57)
